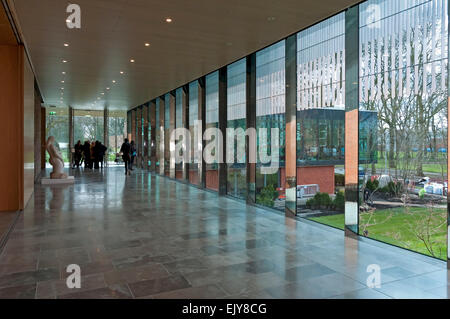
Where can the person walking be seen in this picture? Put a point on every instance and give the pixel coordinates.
(125, 149)
(133, 154)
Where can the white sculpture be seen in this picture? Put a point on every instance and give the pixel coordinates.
(56, 160)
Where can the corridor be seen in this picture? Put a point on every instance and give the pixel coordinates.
(145, 236)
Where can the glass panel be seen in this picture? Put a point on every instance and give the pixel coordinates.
(193, 126)
(321, 122)
(212, 121)
(117, 131)
(58, 126)
(236, 119)
(403, 124)
(88, 125)
(270, 124)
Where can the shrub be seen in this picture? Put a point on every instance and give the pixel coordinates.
(395, 188)
(267, 196)
(311, 203)
(384, 189)
(339, 201)
(320, 200)
(372, 186)
(339, 179)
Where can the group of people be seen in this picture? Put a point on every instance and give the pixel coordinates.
(92, 154)
(128, 151)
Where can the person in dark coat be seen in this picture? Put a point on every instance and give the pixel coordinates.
(87, 155)
(132, 154)
(125, 149)
(78, 153)
(99, 154)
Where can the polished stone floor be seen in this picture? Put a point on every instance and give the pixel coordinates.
(144, 236)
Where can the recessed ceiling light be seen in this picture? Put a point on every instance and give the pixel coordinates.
(168, 20)
(102, 93)
(121, 72)
(107, 88)
(66, 44)
(113, 81)
(147, 44)
(62, 81)
(62, 88)
(132, 60)
(63, 72)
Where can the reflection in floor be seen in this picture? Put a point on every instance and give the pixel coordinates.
(144, 236)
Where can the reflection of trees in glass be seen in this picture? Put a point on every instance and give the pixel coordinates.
(410, 123)
(116, 133)
(403, 81)
(88, 128)
(58, 126)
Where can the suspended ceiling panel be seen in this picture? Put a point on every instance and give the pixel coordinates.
(203, 36)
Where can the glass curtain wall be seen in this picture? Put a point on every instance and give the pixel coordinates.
(179, 124)
(193, 127)
(88, 126)
(321, 122)
(57, 125)
(403, 133)
(117, 131)
(270, 126)
(236, 120)
(212, 121)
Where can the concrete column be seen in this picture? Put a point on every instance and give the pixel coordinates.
(223, 128)
(145, 141)
(138, 140)
(105, 134)
(201, 131)
(250, 146)
(162, 112)
(152, 143)
(172, 110)
(185, 125)
(291, 125)
(71, 143)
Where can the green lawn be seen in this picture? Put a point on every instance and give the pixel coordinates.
(397, 230)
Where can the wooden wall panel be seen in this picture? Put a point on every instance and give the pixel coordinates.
(11, 128)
